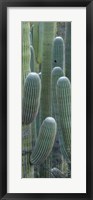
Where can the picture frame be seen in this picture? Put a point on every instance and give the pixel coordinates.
(3, 97)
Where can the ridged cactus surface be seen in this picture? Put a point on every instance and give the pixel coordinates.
(26, 46)
(58, 52)
(31, 99)
(45, 141)
(64, 106)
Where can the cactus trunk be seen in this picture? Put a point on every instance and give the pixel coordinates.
(49, 32)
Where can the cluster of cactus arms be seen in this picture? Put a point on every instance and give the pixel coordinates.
(46, 101)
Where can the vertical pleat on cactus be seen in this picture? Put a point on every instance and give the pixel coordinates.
(68, 50)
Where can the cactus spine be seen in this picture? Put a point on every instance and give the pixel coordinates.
(58, 52)
(68, 50)
(45, 141)
(31, 98)
(64, 107)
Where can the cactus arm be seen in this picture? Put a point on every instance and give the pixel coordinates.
(31, 99)
(64, 106)
(44, 142)
(58, 52)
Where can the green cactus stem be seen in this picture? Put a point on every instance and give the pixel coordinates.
(40, 45)
(58, 52)
(57, 72)
(26, 151)
(25, 50)
(32, 60)
(49, 33)
(36, 38)
(68, 50)
(64, 107)
(38, 118)
(31, 99)
(45, 141)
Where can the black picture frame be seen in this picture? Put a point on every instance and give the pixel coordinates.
(3, 96)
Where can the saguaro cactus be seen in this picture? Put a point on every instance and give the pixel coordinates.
(31, 99)
(45, 141)
(58, 52)
(64, 106)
